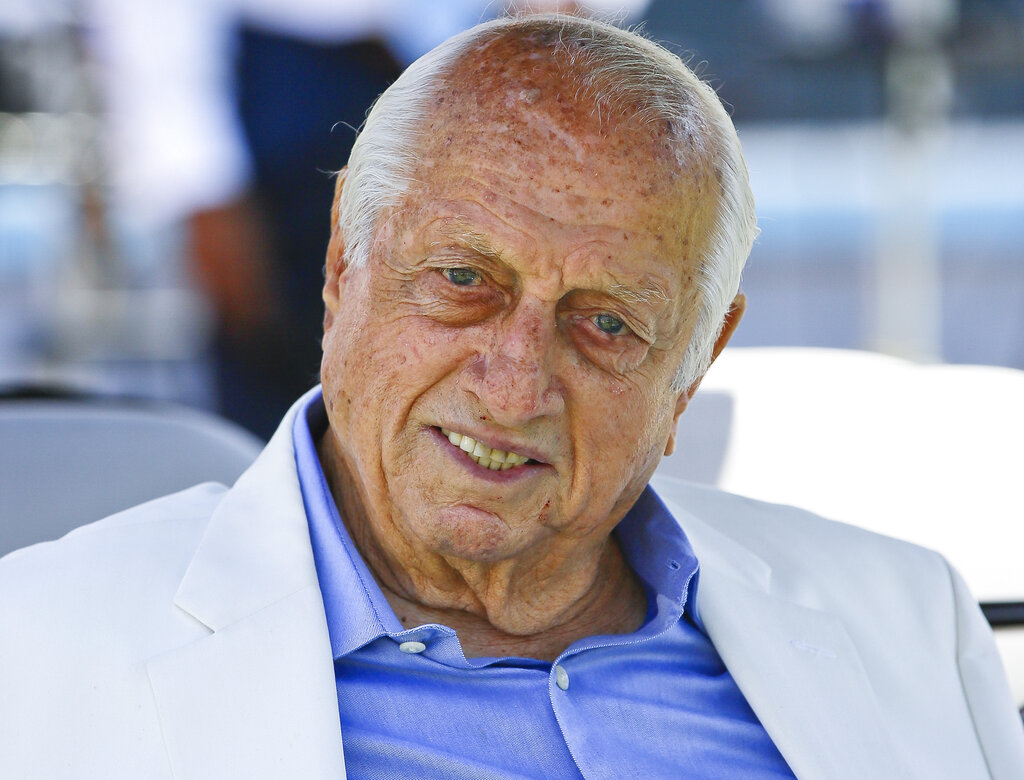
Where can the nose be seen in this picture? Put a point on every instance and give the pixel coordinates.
(512, 376)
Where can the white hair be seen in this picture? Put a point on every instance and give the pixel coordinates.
(613, 68)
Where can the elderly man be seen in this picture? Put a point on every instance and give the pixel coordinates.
(448, 562)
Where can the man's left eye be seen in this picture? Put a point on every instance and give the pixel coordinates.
(609, 324)
(464, 277)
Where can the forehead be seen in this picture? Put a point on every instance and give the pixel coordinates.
(569, 194)
(516, 90)
(511, 127)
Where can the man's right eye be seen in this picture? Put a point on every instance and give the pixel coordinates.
(464, 277)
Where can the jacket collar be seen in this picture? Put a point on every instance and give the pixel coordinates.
(257, 695)
(258, 531)
(797, 666)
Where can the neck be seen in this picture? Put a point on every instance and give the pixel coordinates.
(612, 601)
(533, 606)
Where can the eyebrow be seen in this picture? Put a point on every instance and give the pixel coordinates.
(641, 294)
(458, 231)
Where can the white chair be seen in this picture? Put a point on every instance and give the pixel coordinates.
(929, 453)
(64, 463)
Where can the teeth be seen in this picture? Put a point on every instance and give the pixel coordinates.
(488, 458)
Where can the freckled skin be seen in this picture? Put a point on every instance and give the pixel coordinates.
(559, 208)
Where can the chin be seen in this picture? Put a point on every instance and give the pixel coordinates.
(467, 533)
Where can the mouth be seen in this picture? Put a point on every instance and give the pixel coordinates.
(488, 457)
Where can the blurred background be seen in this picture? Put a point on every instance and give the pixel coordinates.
(165, 177)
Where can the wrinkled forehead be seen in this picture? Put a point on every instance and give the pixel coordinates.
(539, 63)
(513, 110)
(525, 88)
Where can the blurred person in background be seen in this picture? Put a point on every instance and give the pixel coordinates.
(229, 114)
(448, 560)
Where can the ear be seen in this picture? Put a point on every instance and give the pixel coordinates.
(732, 319)
(334, 267)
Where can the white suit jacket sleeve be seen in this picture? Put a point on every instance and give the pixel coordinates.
(985, 686)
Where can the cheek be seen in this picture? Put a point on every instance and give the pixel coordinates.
(627, 429)
(415, 353)
(337, 389)
(385, 362)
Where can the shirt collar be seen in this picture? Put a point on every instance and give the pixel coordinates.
(657, 549)
(357, 610)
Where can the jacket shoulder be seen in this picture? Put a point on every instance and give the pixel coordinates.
(107, 572)
(79, 618)
(161, 516)
(773, 530)
(817, 562)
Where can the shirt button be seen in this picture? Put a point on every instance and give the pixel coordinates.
(412, 647)
(561, 677)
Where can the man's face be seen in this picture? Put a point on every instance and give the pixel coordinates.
(533, 292)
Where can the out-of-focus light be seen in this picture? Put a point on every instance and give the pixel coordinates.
(42, 148)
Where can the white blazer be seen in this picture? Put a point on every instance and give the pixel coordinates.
(186, 638)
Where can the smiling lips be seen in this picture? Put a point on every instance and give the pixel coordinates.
(487, 457)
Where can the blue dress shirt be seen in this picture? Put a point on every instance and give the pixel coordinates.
(658, 702)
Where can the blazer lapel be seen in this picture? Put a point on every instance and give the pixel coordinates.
(254, 699)
(796, 666)
(256, 696)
